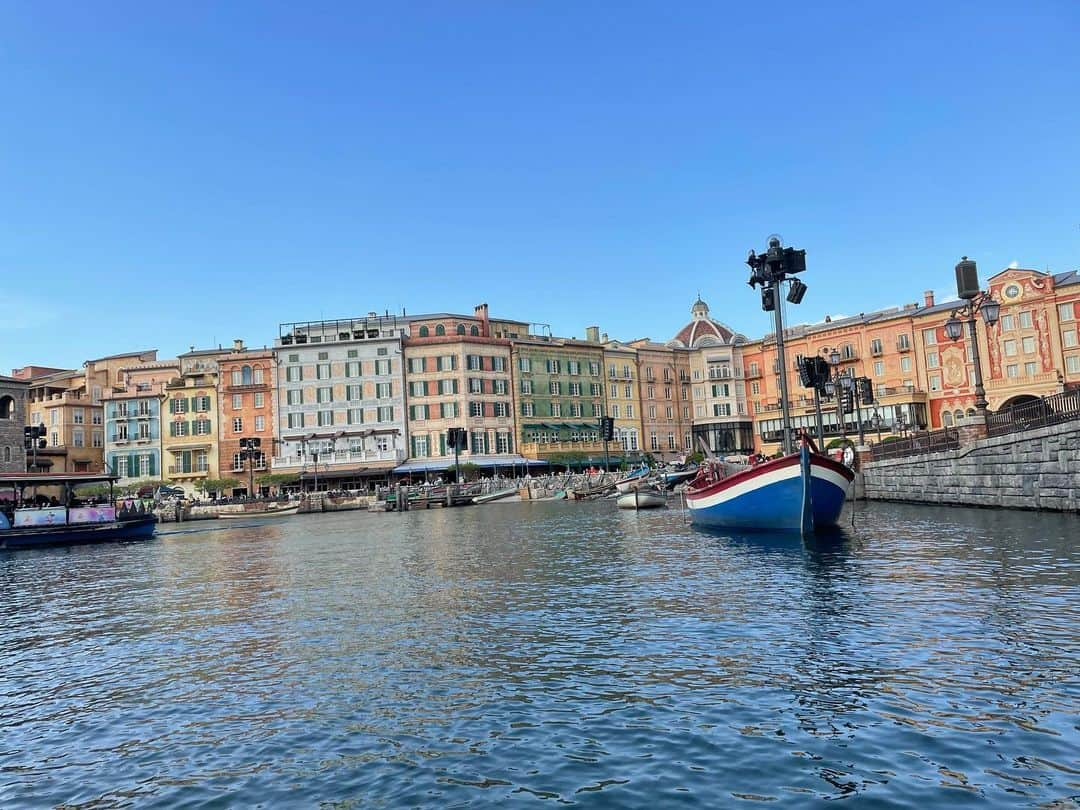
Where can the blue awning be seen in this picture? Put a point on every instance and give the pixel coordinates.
(445, 463)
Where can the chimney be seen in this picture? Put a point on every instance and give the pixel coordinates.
(928, 297)
(828, 319)
(603, 337)
(592, 334)
(481, 312)
(238, 345)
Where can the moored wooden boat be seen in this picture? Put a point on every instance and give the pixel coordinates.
(802, 491)
(259, 513)
(503, 495)
(632, 479)
(642, 498)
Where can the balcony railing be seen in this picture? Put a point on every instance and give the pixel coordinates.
(180, 470)
(339, 457)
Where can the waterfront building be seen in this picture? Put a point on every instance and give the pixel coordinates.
(132, 407)
(12, 421)
(458, 374)
(190, 429)
(920, 378)
(246, 387)
(721, 421)
(623, 397)
(666, 399)
(1031, 351)
(878, 345)
(69, 404)
(340, 397)
(559, 396)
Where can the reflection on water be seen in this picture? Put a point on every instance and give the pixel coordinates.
(566, 651)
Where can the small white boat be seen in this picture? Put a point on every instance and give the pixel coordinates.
(632, 479)
(285, 511)
(642, 498)
(505, 495)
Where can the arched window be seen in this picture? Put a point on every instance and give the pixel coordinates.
(7, 407)
(245, 375)
(946, 418)
(461, 329)
(475, 331)
(971, 412)
(7, 454)
(424, 331)
(440, 330)
(958, 417)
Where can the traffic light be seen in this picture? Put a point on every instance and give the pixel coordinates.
(866, 391)
(847, 400)
(457, 438)
(607, 428)
(797, 290)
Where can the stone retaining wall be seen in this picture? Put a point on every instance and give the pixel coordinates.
(1034, 469)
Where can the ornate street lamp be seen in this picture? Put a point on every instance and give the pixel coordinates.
(967, 287)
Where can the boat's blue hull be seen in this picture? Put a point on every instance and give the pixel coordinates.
(802, 492)
(40, 536)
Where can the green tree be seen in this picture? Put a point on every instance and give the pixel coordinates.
(469, 471)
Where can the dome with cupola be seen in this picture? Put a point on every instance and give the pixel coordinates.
(704, 331)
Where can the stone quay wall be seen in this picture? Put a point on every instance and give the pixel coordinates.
(1033, 469)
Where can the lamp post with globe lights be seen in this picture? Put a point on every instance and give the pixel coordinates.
(977, 301)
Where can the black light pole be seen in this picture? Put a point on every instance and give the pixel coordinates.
(249, 451)
(967, 287)
(770, 270)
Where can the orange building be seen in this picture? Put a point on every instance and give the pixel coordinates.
(246, 411)
(921, 379)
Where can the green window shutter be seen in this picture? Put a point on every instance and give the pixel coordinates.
(455, 386)
(427, 390)
(442, 444)
(153, 465)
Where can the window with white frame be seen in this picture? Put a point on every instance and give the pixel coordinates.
(325, 418)
(386, 413)
(556, 409)
(260, 423)
(384, 390)
(238, 424)
(476, 408)
(528, 409)
(1067, 312)
(524, 364)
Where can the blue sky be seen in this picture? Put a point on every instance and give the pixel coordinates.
(188, 173)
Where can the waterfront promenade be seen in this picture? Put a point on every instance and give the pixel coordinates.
(558, 651)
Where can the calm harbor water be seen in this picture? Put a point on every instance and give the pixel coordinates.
(547, 651)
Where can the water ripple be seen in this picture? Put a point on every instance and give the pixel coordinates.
(556, 652)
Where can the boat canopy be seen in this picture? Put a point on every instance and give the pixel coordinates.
(54, 479)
